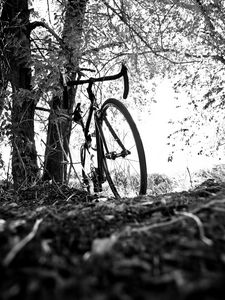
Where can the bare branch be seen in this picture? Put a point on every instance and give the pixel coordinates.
(102, 47)
(18, 247)
(205, 15)
(182, 4)
(199, 224)
(132, 29)
(36, 24)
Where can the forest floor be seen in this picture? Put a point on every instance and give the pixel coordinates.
(60, 243)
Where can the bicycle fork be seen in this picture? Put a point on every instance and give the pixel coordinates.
(103, 152)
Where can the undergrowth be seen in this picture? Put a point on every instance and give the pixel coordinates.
(162, 183)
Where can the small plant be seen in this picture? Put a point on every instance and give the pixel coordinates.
(217, 173)
(159, 184)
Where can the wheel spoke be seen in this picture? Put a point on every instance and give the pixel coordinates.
(125, 174)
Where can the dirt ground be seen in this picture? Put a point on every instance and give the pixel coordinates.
(60, 243)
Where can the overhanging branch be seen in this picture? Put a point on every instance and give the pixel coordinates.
(103, 47)
(36, 24)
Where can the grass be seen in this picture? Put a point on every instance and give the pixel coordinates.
(159, 184)
(162, 184)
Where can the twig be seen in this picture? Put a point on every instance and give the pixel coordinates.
(42, 109)
(21, 160)
(189, 174)
(54, 215)
(62, 149)
(18, 247)
(207, 205)
(35, 24)
(180, 216)
(8, 168)
(219, 209)
(58, 188)
(68, 199)
(72, 166)
(49, 14)
(60, 142)
(153, 226)
(198, 222)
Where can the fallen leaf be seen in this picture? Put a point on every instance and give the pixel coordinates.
(104, 245)
(16, 223)
(2, 225)
(109, 217)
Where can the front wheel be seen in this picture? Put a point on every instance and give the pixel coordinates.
(124, 160)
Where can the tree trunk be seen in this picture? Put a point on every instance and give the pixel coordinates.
(15, 16)
(57, 143)
(58, 136)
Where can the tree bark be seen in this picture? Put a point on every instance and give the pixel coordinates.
(15, 17)
(58, 136)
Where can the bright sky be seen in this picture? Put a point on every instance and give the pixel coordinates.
(41, 6)
(154, 131)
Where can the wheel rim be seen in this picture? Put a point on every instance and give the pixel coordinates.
(123, 164)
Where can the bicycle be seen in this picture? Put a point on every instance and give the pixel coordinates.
(112, 155)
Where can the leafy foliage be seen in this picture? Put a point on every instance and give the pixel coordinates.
(179, 40)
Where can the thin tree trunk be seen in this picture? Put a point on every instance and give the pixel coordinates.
(55, 166)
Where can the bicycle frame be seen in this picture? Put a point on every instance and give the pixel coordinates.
(93, 112)
(105, 166)
(101, 145)
(102, 149)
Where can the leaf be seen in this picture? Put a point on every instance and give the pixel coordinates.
(3, 124)
(2, 225)
(104, 245)
(16, 223)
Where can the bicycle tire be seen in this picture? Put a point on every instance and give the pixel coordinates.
(83, 155)
(126, 173)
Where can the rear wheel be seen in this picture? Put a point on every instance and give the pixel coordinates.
(124, 161)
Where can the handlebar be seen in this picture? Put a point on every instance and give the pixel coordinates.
(122, 73)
